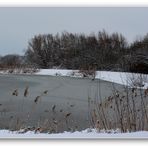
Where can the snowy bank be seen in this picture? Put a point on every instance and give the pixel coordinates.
(83, 134)
(123, 78)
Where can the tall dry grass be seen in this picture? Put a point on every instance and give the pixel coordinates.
(126, 110)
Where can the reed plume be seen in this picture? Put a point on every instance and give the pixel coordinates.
(37, 99)
(15, 92)
(26, 92)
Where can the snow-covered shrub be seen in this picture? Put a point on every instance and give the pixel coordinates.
(137, 80)
(88, 73)
(58, 74)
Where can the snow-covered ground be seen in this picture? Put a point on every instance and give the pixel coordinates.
(123, 78)
(83, 134)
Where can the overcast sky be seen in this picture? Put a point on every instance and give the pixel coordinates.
(18, 25)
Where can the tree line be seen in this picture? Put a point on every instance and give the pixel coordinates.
(99, 51)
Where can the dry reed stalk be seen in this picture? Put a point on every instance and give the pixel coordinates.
(45, 92)
(66, 119)
(53, 108)
(37, 99)
(26, 92)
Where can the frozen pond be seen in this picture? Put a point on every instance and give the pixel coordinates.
(58, 96)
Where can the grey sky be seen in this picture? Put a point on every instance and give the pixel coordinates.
(18, 25)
